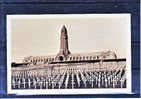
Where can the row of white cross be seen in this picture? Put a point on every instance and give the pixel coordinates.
(69, 68)
(94, 79)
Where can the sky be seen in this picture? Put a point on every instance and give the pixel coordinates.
(39, 35)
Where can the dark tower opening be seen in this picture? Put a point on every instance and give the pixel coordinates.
(61, 58)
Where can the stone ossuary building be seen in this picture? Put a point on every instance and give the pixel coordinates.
(69, 71)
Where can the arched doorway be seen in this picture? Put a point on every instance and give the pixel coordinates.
(61, 58)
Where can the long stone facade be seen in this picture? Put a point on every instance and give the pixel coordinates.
(69, 71)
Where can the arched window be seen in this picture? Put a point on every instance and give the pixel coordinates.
(41, 60)
(46, 60)
(70, 58)
(90, 57)
(83, 57)
(94, 57)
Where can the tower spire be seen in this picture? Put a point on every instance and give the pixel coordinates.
(64, 48)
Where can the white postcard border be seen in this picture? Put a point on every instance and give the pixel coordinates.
(68, 91)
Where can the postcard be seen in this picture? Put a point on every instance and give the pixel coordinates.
(69, 54)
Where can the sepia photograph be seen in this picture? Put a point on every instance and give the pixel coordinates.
(69, 54)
